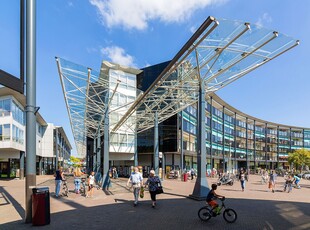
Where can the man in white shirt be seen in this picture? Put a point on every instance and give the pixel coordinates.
(136, 181)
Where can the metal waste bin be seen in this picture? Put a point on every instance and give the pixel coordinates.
(40, 206)
(185, 176)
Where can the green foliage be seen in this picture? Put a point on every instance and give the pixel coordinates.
(76, 162)
(299, 158)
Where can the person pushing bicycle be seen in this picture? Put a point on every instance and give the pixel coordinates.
(211, 198)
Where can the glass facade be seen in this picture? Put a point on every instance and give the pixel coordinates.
(235, 140)
(124, 139)
(8, 132)
(7, 106)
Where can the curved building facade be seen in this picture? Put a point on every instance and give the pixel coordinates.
(233, 140)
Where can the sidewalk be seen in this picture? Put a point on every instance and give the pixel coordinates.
(257, 208)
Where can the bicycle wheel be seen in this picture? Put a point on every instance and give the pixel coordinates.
(230, 215)
(204, 214)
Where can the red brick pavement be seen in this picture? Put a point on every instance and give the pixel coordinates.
(257, 207)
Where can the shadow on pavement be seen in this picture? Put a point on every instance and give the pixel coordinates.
(7, 197)
(178, 214)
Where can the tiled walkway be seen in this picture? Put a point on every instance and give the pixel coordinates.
(257, 207)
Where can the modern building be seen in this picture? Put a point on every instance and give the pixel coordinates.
(55, 149)
(233, 140)
(151, 117)
(12, 138)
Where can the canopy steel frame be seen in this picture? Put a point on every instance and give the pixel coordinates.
(218, 59)
(218, 53)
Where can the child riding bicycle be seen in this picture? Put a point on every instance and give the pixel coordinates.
(211, 199)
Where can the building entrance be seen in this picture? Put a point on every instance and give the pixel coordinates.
(4, 170)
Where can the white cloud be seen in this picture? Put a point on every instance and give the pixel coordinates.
(118, 55)
(265, 18)
(135, 14)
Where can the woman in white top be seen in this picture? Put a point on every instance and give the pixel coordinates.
(91, 182)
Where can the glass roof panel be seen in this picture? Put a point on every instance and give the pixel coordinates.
(220, 52)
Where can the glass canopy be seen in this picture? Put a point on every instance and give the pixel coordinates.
(218, 53)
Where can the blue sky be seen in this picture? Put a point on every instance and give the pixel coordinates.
(138, 33)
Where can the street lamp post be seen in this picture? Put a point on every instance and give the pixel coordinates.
(229, 159)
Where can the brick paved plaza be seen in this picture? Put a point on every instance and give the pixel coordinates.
(257, 207)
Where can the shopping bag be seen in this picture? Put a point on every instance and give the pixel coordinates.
(142, 192)
(159, 190)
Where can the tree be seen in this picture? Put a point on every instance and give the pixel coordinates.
(299, 158)
(76, 162)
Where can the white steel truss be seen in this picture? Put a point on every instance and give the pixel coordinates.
(218, 53)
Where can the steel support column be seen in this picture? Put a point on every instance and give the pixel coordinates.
(40, 165)
(156, 144)
(246, 146)
(235, 142)
(30, 105)
(21, 165)
(163, 166)
(223, 141)
(106, 148)
(254, 131)
(181, 143)
(94, 156)
(201, 188)
(98, 151)
(136, 148)
(57, 151)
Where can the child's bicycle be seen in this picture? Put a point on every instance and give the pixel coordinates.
(83, 187)
(65, 190)
(206, 212)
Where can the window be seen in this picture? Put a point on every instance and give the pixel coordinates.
(18, 113)
(123, 140)
(5, 107)
(131, 139)
(6, 132)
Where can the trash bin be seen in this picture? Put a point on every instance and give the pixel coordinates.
(185, 175)
(40, 206)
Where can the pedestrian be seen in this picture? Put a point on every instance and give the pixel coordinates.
(91, 183)
(297, 180)
(272, 180)
(153, 183)
(242, 178)
(136, 181)
(192, 173)
(59, 177)
(114, 173)
(288, 183)
(77, 179)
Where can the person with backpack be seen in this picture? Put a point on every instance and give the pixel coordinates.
(136, 181)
